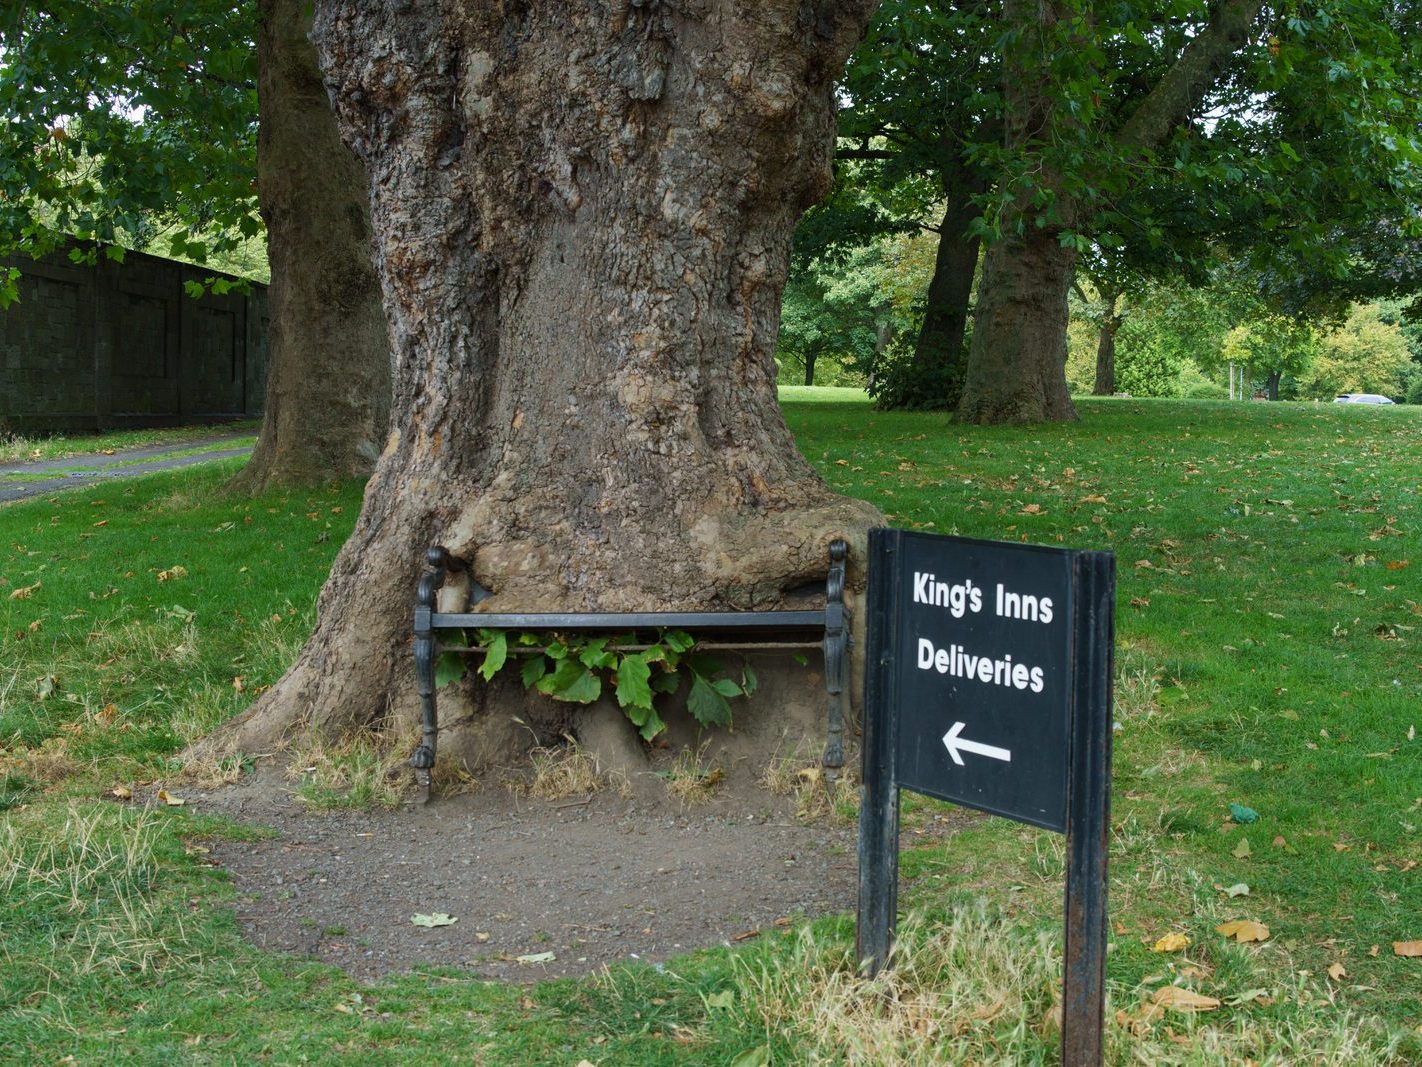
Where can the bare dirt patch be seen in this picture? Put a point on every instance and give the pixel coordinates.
(575, 883)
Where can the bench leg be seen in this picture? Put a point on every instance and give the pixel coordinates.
(836, 649)
(424, 758)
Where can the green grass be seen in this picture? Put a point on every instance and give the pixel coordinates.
(1267, 653)
(20, 448)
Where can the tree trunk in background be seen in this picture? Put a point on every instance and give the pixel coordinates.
(583, 218)
(328, 370)
(811, 358)
(1271, 384)
(939, 356)
(1017, 364)
(1106, 343)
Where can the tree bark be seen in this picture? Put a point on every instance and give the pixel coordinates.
(811, 358)
(328, 366)
(1017, 364)
(1105, 384)
(939, 355)
(583, 218)
(1271, 384)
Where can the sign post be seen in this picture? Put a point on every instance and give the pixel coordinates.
(989, 685)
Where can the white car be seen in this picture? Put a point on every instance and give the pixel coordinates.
(1361, 398)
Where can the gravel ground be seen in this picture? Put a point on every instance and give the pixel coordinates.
(577, 884)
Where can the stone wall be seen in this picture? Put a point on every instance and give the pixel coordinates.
(122, 344)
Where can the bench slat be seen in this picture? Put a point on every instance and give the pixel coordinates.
(700, 620)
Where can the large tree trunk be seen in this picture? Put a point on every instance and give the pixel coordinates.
(328, 370)
(1017, 365)
(583, 218)
(939, 355)
(1105, 384)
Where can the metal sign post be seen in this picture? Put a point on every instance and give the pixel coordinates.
(989, 685)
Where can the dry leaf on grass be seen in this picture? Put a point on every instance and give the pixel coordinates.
(1337, 972)
(1244, 930)
(1177, 998)
(168, 798)
(1407, 948)
(24, 592)
(1171, 942)
(123, 792)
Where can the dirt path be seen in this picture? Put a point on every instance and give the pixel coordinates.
(125, 463)
(575, 884)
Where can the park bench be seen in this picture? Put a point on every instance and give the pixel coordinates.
(826, 628)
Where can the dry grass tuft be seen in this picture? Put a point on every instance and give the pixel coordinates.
(816, 793)
(89, 878)
(977, 989)
(559, 772)
(689, 779)
(361, 771)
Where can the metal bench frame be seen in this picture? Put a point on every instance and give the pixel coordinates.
(831, 623)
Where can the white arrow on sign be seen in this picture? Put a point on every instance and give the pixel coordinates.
(956, 744)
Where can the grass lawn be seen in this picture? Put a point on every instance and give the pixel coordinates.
(20, 448)
(1268, 660)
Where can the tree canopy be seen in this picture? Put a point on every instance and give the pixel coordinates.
(124, 117)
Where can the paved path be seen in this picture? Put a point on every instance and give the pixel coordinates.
(125, 463)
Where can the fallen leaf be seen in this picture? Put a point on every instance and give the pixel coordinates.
(1373, 951)
(537, 957)
(1407, 948)
(1239, 889)
(123, 792)
(438, 918)
(1242, 850)
(169, 799)
(25, 592)
(1249, 996)
(745, 935)
(173, 573)
(1337, 972)
(1171, 942)
(1244, 930)
(1178, 999)
(238, 684)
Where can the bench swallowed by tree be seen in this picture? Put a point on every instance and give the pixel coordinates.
(826, 628)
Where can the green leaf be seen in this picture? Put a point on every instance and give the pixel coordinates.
(706, 705)
(666, 682)
(571, 682)
(633, 675)
(495, 655)
(678, 640)
(755, 1057)
(726, 687)
(449, 668)
(534, 668)
(749, 681)
(556, 650)
(595, 657)
(652, 726)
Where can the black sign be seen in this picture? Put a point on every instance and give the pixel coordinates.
(979, 647)
(989, 684)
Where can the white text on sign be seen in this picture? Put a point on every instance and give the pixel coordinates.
(960, 598)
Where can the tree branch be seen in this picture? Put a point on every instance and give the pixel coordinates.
(1184, 85)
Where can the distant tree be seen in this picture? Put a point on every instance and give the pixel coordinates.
(921, 94)
(1272, 130)
(124, 120)
(1365, 354)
